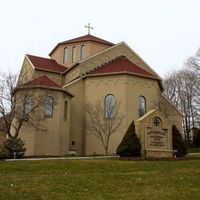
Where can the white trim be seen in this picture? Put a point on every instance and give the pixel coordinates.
(26, 56)
(142, 60)
(145, 115)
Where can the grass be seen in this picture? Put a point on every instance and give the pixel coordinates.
(100, 179)
(194, 150)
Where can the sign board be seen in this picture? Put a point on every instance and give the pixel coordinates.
(157, 140)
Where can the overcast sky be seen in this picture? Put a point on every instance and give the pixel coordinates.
(163, 32)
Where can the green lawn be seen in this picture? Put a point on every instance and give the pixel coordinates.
(100, 179)
(194, 150)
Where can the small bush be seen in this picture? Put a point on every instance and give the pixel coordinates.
(3, 153)
(178, 144)
(130, 145)
(13, 146)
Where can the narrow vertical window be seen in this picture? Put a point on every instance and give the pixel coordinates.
(109, 104)
(65, 110)
(141, 106)
(65, 58)
(27, 105)
(48, 106)
(82, 52)
(73, 54)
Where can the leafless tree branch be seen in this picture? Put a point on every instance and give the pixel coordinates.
(103, 124)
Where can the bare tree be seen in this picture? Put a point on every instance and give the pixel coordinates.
(182, 87)
(13, 114)
(171, 86)
(105, 120)
(7, 102)
(193, 65)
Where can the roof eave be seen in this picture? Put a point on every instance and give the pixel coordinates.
(48, 70)
(86, 40)
(130, 73)
(122, 72)
(41, 87)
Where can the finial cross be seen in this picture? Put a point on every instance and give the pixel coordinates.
(89, 27)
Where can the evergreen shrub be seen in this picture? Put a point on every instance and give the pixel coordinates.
(179, 146)
(130, 145)
(196, 137)
(13, 148)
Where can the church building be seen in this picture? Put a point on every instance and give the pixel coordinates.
(84, 70)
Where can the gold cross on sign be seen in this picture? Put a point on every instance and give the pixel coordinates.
(88, 27)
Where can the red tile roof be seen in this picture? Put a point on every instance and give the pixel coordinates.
(121, 64)
(42, 81)
(87, 37)
(84, 38)
(46, 64)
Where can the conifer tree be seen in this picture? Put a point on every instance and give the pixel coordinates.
(178, 143)
(130, 145)
(13, 148)
(196, 137)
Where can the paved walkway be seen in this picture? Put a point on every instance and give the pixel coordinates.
(194, 154)
(66, 158)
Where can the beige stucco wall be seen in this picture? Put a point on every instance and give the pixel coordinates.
(94, 48)
(26, 73)
(97, 88)
(77, 117)
(171, 113)
(90, 48)
(52, 134)
(126, 89)
(56, 77)
(139, 86)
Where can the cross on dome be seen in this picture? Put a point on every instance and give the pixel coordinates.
(89, 28)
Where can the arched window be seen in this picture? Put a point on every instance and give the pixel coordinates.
(141, 106)
(73, 54)
(65, 109)
(82, 52)
(27, 105)
(48, 106)
(109, 104)
(65, 58)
